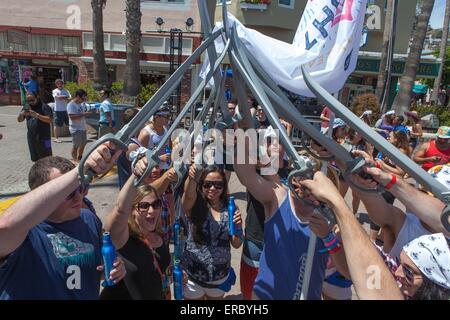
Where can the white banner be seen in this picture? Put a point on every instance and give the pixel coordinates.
(327, 42)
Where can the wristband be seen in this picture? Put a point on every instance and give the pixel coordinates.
(377, 165)
(335, 249)
(391, 184)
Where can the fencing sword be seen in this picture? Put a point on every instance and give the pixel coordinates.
(121, 138)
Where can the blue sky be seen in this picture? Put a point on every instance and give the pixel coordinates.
(437, 16)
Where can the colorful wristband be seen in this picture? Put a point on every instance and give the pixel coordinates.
(391, 184)
(336, 249)
(377, 164)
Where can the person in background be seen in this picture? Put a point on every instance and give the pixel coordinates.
(367, 117)
(61, 97)
(434, 152)
(31, 85)
(38, 116)
(385, 124)
(77, 124)
(398, 124)
(152, 134)
(123, 163)
(416, 132)
(106, 122)
(325, 117)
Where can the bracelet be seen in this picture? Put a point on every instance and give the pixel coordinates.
(336, 249)
(391, 184)
(330, 236)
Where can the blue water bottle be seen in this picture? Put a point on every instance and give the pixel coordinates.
(177, 281)
(177, 239)
(168, 151)
(109, 256)
(165, 220)
(380, 155)
(231, 210)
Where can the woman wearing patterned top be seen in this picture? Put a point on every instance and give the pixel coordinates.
(207, 258)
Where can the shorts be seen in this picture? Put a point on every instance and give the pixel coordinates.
(39, 148)
(79, 138)
(103, 129)
(61, 118)
(194, 291)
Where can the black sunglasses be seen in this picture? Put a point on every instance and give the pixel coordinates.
(217, 184)
(157, 204)
(409, 274)
(79, 189)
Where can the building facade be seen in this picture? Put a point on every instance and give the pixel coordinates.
(280, 18)
(53, 39)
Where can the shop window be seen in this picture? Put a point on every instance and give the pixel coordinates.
(152, 44)
(287, 3)
(187, 46)
(118, 42)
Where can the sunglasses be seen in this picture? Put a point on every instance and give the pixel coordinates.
(79, 189)
(409, 274)
(217, 184)
(157, 204)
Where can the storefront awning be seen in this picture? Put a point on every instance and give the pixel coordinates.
(418, 88)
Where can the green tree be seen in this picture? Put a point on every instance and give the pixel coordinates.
(403, 99)
(100, 69)
(132, 70)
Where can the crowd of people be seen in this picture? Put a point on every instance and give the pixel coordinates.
(69, 111)
(55, 229)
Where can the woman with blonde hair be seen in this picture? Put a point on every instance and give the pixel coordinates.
(135, 228)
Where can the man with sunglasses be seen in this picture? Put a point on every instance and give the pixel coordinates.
(38, 116)
(152, 134)
(50, 243)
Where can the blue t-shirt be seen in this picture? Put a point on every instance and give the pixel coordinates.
(31, 86)
(105, 106)
(56, 261)
(283, 259)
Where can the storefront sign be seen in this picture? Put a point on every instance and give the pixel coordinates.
(18, 37)
(426, 69)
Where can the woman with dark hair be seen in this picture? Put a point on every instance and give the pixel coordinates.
(400, 140)
(416, 131)
(207, 258)
(424, 268)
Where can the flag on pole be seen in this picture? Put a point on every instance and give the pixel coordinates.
(327, 41)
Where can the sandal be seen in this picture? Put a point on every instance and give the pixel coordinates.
(57, 141)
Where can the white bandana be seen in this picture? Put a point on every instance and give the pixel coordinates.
(430, 253)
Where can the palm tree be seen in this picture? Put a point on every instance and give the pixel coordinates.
(132, 85)
(384, 50)
(403, 99)
(100, 69)
(437, 81)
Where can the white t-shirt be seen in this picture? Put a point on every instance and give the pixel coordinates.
(412, 228)
(60, 104)
(153, 141)
(76, 109)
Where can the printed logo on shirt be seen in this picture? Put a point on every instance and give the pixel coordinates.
(70, 251)
(298, 287)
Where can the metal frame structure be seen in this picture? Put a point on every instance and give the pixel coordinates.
(250, 73)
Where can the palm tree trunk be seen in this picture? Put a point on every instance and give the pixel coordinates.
(384, 50)
(100, 69)
(437, 81)
(132, 85)
(403, 99)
